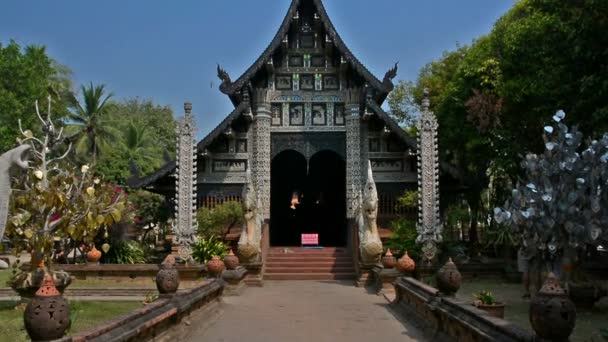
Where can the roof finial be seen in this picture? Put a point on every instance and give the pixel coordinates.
(188, 107)
(425, 100)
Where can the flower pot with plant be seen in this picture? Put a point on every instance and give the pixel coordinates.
(485, 301)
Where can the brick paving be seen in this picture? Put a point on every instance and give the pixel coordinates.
(303, 311)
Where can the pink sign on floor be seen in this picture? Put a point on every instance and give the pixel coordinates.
(310, 239)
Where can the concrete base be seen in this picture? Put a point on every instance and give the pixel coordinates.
(365, 276)
(254, 274)
(234, 281)
(383, 279)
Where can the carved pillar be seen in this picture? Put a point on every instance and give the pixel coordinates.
(429, 225)
(185, 185)
(261, 158)
(353, 158)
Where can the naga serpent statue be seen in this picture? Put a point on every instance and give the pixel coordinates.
(7, 160)
(370, 244)
(249, 242)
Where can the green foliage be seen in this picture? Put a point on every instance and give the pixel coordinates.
(485, 297)
(501, 236)
(145, 137)
(125, 252)
(219, 220)
(206, 248)
(27, 75)
(403, 237)
(409, 199)
(402, 104)
(149, 207)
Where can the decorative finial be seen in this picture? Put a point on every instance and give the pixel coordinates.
(425, 100)
(188, 107)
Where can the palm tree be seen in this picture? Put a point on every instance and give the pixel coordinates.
(90, 131)
(138, 146)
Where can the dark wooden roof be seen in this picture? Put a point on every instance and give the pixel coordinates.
(169, 167)
(382, 87)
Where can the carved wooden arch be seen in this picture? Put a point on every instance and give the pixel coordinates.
(308, 143)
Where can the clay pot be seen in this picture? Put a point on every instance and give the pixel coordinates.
(448, 278)
(93, 255)
(552, 313)
(231, 261)
(47, 316)
(388, 260)
(406, 264)
(167, 279)
(215, 266)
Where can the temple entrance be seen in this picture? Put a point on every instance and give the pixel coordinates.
(308, 198)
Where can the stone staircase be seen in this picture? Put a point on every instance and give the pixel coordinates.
(296, 263)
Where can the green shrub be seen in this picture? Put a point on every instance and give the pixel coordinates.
(206, 248)
(485, 297)
(218, 221)
(125, 252)
(403, 237)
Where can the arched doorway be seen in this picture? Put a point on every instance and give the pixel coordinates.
(287, 175)
(327, 197)
(321, 188)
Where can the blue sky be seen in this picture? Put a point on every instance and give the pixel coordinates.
(167, 50)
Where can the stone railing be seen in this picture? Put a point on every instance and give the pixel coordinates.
(109, 271)
(449, 319)
(159, 320)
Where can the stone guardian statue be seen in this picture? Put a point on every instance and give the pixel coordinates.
(370, 244)
(16, 157)
(249, 242)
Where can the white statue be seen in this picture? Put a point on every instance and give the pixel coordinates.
(370, 245)
(7, 160)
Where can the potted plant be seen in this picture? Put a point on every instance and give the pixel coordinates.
(53, 201)
(485, 300)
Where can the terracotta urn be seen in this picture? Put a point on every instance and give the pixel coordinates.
(215, 266)
(448, 278)
(388, 260)
(406, 264)
(552, 312)
(47, 316)
(167, 278)
(93, 255)
(231, 261)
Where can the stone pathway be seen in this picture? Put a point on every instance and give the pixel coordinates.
(303, 311)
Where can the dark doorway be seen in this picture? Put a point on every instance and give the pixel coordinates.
(287, 176)
(320, 191)
(327, 198)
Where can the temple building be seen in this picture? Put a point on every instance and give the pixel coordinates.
(307, 119)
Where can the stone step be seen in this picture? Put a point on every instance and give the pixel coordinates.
(309, 264)
(308, 250)
(273, 270)
(309, 276)
(301, 259)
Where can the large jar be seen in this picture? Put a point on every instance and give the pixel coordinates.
(552, 312)
(231, 261)
(47, 315)
(406, 264)
(167, 278)
(215, 266)
(448, 278)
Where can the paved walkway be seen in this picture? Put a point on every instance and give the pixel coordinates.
(304, 311)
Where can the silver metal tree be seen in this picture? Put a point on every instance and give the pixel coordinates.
(562, 200)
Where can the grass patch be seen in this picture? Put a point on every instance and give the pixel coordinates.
(5, 275)
(588, 323)
(86, 314)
